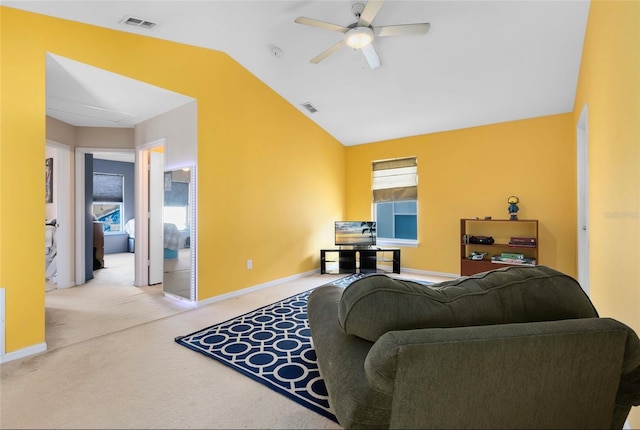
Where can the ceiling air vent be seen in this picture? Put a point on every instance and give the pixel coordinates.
(308, 106)
(138, 22)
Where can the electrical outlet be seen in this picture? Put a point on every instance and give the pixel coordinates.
(249, 264)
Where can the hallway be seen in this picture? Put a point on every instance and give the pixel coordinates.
(106, 304)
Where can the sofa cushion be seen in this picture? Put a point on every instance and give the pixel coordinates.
(376, 304)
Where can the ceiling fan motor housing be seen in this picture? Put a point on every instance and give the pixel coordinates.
(358, 37)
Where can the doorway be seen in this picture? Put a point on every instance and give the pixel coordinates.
(113, 102)
(120, 161)
(109, 302)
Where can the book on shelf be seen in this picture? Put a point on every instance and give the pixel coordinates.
(512, 255)
(528, 240)
(525, 242)
(526, 261)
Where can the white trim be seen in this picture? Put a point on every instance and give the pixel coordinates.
(141, 197)
(24, 352)
(2, 320)
(154, 218)
(80, 222)
(64, 214)
(406, 243)
(275, 282)
(582, 155)
(430, 273)
(188, 304)
(258, 287)
(193, 240)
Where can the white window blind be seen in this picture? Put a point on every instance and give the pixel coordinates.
(395, 180)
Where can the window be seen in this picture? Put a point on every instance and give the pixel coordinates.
(176, 202)
(176, 215)
(395, 198)
(108, 200)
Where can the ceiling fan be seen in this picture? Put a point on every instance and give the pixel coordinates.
(360, 34)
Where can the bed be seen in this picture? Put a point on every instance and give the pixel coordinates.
(172, 238)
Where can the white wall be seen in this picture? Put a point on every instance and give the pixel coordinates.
(105, 137)
(179, 128)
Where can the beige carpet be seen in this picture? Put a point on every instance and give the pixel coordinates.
(106, 304)
(113, 363)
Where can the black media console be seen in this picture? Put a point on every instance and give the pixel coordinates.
(364, 260)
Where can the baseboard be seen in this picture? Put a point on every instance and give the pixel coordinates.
(24, 352)
(254, 288)
(430, 273)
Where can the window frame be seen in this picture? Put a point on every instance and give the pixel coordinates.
(392, 241)
(119, 202)
(381, 195)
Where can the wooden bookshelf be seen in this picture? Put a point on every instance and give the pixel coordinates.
(502, 231)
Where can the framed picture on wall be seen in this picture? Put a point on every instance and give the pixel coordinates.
(48, 180)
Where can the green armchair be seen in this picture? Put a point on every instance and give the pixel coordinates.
(520, 347)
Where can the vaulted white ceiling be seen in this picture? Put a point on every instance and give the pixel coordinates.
(482, 62)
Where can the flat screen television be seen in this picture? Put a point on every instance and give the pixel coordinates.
(355, 233)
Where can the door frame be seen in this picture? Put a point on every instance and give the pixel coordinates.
(582, 156)
(156, 217)
(141, 277)
(64, 213)
(80, 207)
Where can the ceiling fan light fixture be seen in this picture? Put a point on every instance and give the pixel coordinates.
(359, 37)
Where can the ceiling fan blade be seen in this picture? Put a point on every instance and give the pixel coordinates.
(401, 30)
(321, 24)
(327, 52)
(369, 13)
(371, 55)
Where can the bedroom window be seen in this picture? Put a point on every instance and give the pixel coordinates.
(108, 201)
(395, 200)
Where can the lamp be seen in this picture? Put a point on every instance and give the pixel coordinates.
(358, 37)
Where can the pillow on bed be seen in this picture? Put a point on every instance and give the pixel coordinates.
(376, 304)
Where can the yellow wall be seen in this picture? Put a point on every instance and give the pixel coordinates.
(267, 175)
(610, 85)
(471, 172)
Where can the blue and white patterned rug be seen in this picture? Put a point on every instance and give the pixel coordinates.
(271, 345)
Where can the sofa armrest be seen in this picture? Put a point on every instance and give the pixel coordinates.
(340, 360)
(545, 374)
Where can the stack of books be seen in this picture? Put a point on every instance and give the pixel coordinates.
(513, 258)
(528, 242)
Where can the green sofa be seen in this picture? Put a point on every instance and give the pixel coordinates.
(520, 347)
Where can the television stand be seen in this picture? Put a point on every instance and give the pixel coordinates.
(360, 260)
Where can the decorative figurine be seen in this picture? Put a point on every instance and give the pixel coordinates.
(513, 207)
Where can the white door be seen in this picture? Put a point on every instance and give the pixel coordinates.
(64, 234)
(583, 199)
(63, 186)
(156, 231)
